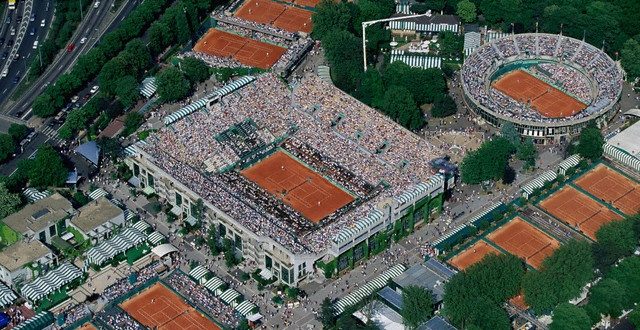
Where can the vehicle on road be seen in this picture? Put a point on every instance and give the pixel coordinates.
(5, 72)
(13, 31)
(75, 99)
(32, 18)
(32, 31)
(94, 89)
(95, 5)
(1, 40)
(43, 23)
(35, 44)
(10, 43)
(16, 79)
(5, 54)
(71, 47)
(83, 40)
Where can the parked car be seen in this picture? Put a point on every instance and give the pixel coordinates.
(71, 47)
(94, 89)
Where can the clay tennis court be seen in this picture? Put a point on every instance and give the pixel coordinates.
(159, 308)
(288, 18)
(613, 188)
(472, 255)
(307, 3)
(546, 99)
(246, 51)
(298, 186)
(525, 241)
(578, 210)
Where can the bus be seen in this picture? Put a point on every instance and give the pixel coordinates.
(12, 4)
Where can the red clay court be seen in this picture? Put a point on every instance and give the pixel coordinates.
(546, 99)
(472, 255)
(246, 51)
(288, 18)
(525, 241)
(578, 210)
(612, 187)
(298, 186)
(159, 308)
(307, 3)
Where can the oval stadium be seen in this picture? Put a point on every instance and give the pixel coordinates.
(550, 86)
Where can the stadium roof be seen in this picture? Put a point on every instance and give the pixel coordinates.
(163, 250)
(628, 140)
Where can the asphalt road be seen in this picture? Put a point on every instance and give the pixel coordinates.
(18, 68)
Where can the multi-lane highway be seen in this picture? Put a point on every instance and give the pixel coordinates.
(32, 30)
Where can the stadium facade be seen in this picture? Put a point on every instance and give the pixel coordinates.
(380, 218)
(604, 76)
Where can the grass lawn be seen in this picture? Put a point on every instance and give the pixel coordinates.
(7, 235)
(52, 300)
(137, 253)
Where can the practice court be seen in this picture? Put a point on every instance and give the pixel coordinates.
(283, 16)
(472, 255)
(613, 188)
(579, 210)
(549, 101)
(520, 238)
(244, 50)
(159, 308)
(298, 186)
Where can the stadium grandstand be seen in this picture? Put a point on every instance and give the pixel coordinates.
(292, 174)
(550, 86)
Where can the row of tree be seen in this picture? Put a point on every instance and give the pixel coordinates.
(9, 142)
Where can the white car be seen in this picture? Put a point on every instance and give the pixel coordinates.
(5, 72)
(83, 40)
(75, 99)
(43, 23)
(95, 5)
(35, 44)
(94, 89)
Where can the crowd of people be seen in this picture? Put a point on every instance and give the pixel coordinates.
(336, 129)
(575, 64)
(202, 298)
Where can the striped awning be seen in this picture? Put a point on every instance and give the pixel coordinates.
(129, 215)
(415, 61)
(110, 248)
(199, 273)
(245, 308)
(148, 87)
(7, 296)
(51, 282)
(213, 284)
(621, 156)
(191, 108)
(371, 220)
(495, 35)
(98, 193)
(155, 238)
(448, 235)
(418, 27)
(38, 322)
(403, 9)
(142, 226)
(539, 182)
(569, 162)
(130, 151)
(33, 194)
(229, 296)
(484, 212)
(370, 287)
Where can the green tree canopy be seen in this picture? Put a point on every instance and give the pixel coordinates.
(489, 162)
(47, 169)
(18, 132)
(634, 318)
(614, 240)
(7, 147)
(127, 91)
(570, 317)
(443, 107)
(327, 314)
(417, 306)
(528, 153)
(172, 85)
(509, 131)
(343, 52)
(399, 105)
(450, 44)
(466, 10)
(561, 277)
(630, 57)
(9, 202)
(330, 16)
(608, 297)
(590, 143)
(195, 69)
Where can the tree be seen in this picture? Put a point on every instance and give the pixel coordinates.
(7, 147)
(8, 202)
(614, 240)
(489, 162)
(344, 55)
(327, 314)
(630, 57)
(528, 153)
(47, 168)
(590, 143)
(417, 306)
(627, 273)
(132, 121)
(466, 10)
(111, 148)
(634, 318)
(570, 317)
(111, 72)
(371, 90)
(127, 91)
(44, 106)
(195, 69)
(399, 105)
(450, 44)
(510, 132)
(419, 8)
(18, 132)
(608, 297)
(443, 107)
(138, 56)
(560, 278)
(172, 85)
(330, 16)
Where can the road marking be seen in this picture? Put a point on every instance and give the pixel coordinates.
(4, 91)
(26, 114)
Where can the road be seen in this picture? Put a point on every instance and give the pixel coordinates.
(25, 52)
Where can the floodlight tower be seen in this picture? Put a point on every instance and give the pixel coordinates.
(369, 23)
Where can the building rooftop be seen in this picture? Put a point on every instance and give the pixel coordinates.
(95, 213)
(628, 140)
(433, 19)
(436, 323)
(424, 276)
(21, 253)
(39, 215)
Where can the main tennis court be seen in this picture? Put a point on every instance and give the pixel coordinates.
(613, 188)
(298, 186)
(525, 241)
(544, 98)
(159, 308)
(245, 50)
(579, 210)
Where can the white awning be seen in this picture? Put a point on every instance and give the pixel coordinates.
(141, 226)
(245, 308)
(266, 274)
(199, 273)
(230, 296)
(214, 284)
(155, 238)
(7, 296)
(97, 193)
(163, 250)
(51, 282)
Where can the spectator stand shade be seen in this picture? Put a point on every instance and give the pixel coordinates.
(366, 290)
(51, 282)
(7, 296)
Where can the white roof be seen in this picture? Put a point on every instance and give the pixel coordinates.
(164, 249)
(628, 140)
